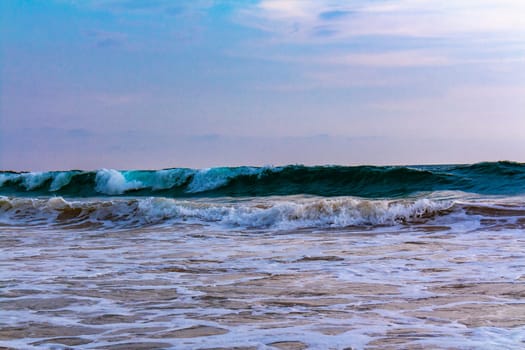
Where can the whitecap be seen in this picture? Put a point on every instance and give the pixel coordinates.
(110, 181)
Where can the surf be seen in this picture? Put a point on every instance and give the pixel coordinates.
(276, 213)
(497, 178)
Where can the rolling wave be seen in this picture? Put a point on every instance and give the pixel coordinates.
(499, 178)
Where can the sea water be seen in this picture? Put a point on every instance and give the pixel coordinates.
(290, 257)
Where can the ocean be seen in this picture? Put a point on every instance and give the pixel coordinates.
(290, 257)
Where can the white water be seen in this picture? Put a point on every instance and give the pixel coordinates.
(275, 212)
(117, 182)
(109, 181)
(327, 289)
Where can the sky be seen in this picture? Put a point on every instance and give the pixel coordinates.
(142, 84)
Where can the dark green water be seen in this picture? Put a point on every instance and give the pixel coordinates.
(496, 178)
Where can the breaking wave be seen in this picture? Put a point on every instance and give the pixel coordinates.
(278, 213)
(499, 178)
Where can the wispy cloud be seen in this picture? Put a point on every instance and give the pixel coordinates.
(401, 17)
(334, 15)
(407, 58)
(105, 39)
(144, 7)
(387, 34)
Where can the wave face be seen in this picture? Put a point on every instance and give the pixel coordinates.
(498, 178)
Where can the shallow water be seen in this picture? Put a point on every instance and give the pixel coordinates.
(450, 282)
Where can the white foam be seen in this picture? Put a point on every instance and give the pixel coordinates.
(57, 203)
(110, 181)
(275, 213)
(265, 275)
(279, 214)
(34, 180)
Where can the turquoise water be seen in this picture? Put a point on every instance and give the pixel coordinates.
(326, 257)
(287, 197)
(498, 178)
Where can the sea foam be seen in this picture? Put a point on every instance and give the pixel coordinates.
(275, 213)
(110, 181)
(33, 180)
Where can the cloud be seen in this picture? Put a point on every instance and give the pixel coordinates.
(79, 133)
(334, 15)
(388, 59)
(105, 39)
(148, 7)
(386, 34)
(412, 58)
(287, 9)
(115, 99)
(138, 4)
(431, 18)
(174, 10)
(108, 43)
(127, 5)
(324, 31)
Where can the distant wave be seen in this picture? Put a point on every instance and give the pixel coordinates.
(505, 178)
(363, 181)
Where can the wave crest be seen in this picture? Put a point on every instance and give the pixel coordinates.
(273, 214)
(501, 178)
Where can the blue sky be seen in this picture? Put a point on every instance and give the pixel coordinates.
(154, 84)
